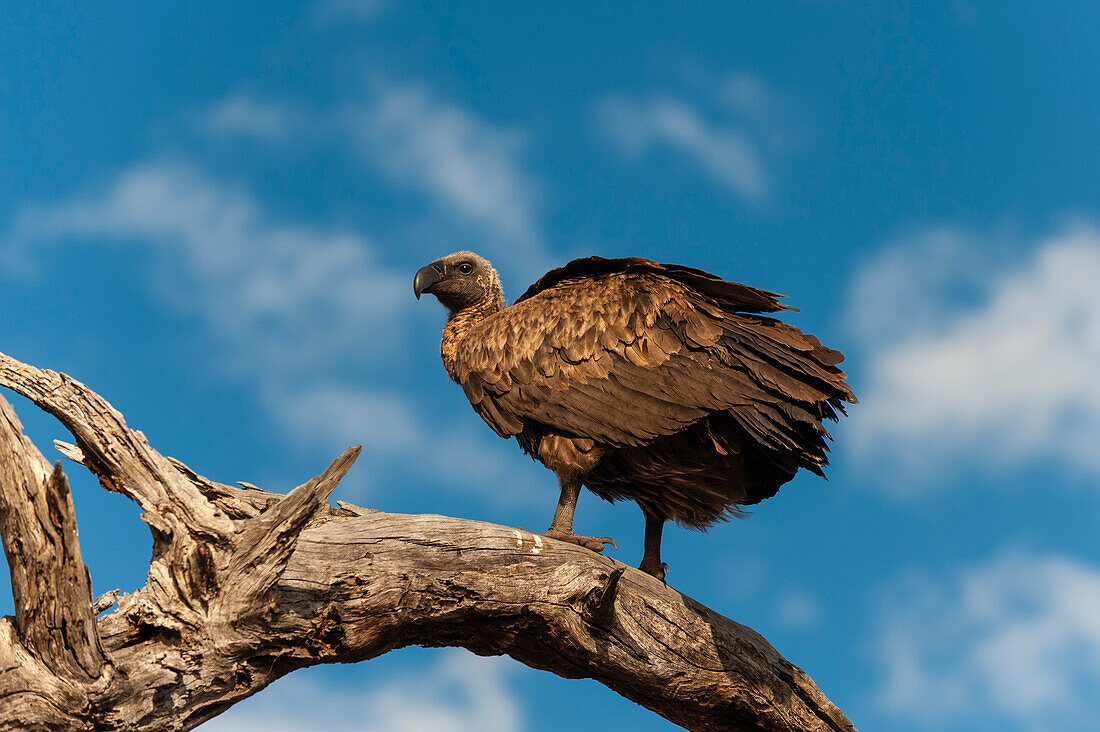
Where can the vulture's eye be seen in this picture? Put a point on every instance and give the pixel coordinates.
(465, 268)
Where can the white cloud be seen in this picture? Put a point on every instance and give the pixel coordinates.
(915, 285)
(341, 415)
(462, 455)
(246, 116)
(725, 152)
(461, 693)
(1017, 637)
(468, 165)
(996, 373)
(277, 294)
(797, 609)
(469, 170)
(282, 300)
(748, 95)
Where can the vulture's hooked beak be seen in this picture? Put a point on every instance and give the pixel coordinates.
(426, 278)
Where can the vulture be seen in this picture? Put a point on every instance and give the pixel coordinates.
(657, 383)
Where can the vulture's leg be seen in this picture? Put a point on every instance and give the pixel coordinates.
(651, 560)
(562, 526)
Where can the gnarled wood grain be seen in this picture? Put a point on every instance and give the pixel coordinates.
(50, 584)
(246, 586)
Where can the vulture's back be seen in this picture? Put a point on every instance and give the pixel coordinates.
(699, 402)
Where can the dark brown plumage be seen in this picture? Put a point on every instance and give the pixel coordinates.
(652, 382)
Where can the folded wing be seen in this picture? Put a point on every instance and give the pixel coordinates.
(626, 350)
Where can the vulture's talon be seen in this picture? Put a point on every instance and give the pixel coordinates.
(595, 543)
(658, 570)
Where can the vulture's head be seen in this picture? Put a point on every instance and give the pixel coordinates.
(460, 280)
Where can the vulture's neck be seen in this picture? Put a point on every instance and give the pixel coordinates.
(461, 321)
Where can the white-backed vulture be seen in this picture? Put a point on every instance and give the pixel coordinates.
(652, 382)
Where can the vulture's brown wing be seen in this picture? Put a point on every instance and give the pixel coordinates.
(738, 297)
(625, 350)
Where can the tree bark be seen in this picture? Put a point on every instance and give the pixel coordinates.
(245, 586)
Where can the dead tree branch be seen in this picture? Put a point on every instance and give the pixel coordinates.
(245, 586)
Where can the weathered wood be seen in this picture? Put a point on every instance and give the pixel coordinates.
(246, 586)
(50, 584)
(266, 542)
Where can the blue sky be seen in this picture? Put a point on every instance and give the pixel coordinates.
(212, 215)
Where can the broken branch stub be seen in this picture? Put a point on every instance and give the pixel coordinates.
(265, 542)
(51, 587)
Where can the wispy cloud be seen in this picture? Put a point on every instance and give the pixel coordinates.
(245, 115)
(985, 367)
(395, 431)
(1016, 638)
(728, 146)
(747, 94)
(727, 154)
(281, 300)
(339, 414)
(468, 165)
(460, 693)
(797, 609)
(920, 281)
(468, 171)
(282, 293)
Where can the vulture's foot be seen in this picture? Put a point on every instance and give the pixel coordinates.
(595, 543)
(656, 568)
